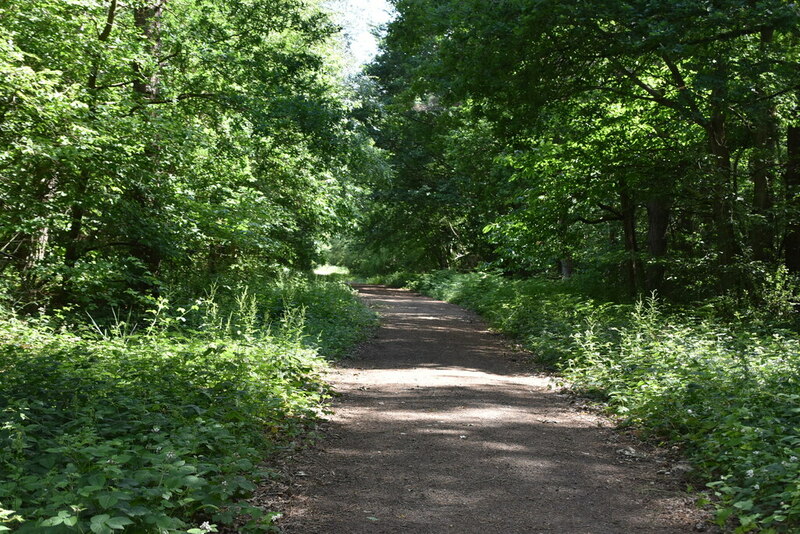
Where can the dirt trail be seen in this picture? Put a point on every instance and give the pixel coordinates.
(439, 430)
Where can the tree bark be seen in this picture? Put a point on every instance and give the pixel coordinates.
(72, 247)
(721, 176)
(567, 267)
(148, 21)
(792, 177)
(765, 135)
(632, 264)
(658, 218)
(146, 85)
(39, 240)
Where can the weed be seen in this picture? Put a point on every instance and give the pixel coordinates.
(162, 428)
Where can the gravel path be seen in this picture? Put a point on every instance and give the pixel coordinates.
(439, 429)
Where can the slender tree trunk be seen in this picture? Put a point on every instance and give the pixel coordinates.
(146, 86)
(792, 244)
(567, 267)
(39, 240)
(721, 201)
(34, 246)
(658, 218)
(765, 143)
(721, 170)
(148, 21)
(72, 248)
(633, 265)
(762, 232)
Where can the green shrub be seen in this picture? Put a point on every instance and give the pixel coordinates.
(162, 426)
(396, 279)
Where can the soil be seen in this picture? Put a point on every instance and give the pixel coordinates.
(439, 426)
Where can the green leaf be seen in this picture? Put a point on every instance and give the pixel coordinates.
(745, 506)
(107, 500)
(62, 517)
(101, 518)
(53, 521)
(97, 480)
(100, 528)
(119, 523)
(163, 521)
(192, 481)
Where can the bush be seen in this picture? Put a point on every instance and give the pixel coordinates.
(162, 429)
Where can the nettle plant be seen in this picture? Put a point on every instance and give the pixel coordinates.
(152, 432)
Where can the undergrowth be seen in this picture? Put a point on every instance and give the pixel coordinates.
(161, 424)
(727, 391)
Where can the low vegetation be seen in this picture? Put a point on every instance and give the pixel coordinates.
(162, 425)
(726, 389)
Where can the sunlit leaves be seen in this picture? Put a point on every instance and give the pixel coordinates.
(215, 133)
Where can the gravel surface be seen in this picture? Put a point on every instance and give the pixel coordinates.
(440, 428)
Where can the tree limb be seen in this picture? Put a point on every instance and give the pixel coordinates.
(598, 221)
(112, 85)
(179, 98)
(683, 88)
(656, 95)
(733, 34)
(112, 13)
(610, 209)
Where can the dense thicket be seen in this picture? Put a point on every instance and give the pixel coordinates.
(150, 141)
(654, 144)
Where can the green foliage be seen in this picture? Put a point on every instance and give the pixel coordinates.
(643, 143)
(151, 141)
(329, 318)
(163, 426)
(727, 392)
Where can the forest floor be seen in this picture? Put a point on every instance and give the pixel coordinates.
(439, 426)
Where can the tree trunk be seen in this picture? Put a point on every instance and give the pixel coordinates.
(721, 206)
(34, 246)
(632, 264)
(567, 267)
(658, 217)
(39, 240)
(146, 86)
(148, 21)
(77, 211)
(765, 143)
(792, 244)
(762, 232)
(721, 170)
